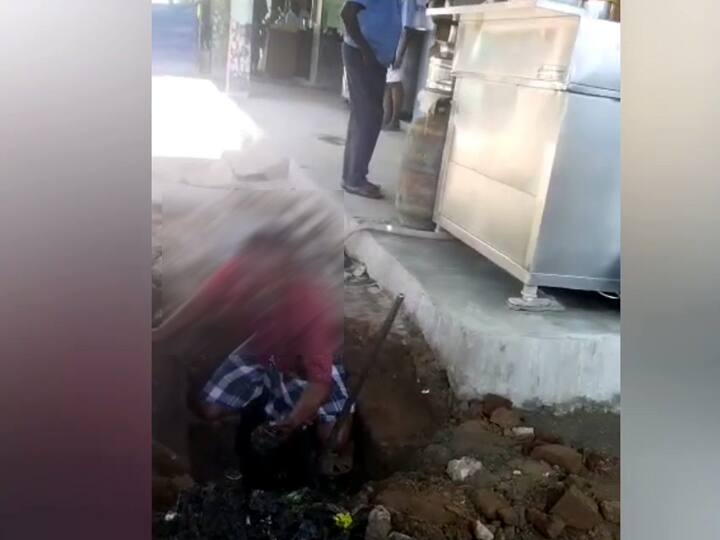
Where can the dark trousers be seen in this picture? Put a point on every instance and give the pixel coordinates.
(366, 85)
(255, 45)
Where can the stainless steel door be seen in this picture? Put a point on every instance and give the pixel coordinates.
(499, 162)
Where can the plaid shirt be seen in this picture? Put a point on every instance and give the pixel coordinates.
(240, 379)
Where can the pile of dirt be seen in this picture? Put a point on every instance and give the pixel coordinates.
(400, 410)
(427, 508)
(522, 485)
(531, 484)
(406, 398)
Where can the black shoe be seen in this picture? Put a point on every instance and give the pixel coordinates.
(373, 186)
(366, 189)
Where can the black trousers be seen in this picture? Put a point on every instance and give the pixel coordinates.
(366, 85)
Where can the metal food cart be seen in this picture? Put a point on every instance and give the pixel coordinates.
(531, 166)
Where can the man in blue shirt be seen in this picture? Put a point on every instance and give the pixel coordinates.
(372, 33)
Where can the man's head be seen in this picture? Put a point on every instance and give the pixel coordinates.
(273, 254)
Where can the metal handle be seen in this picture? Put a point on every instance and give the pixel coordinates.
(372, 359)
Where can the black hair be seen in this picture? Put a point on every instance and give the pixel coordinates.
(271, 239)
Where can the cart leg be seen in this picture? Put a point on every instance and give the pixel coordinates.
(529, 293)
(531, 299)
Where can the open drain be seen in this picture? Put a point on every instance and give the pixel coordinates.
(228, 510)
(276, 496)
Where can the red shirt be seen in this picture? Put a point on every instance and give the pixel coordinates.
(299, 328)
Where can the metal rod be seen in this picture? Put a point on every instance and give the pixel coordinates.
(398, 230)
(360, 382)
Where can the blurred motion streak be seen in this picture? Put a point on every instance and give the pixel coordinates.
(196, 243)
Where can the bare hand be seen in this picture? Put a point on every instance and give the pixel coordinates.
(288, 426)
(267, 437)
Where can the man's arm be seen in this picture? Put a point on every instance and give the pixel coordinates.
(349, 16)
(312, 398)
(402, 48)
(320, 344)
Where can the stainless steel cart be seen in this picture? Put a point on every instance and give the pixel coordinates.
(531, 169)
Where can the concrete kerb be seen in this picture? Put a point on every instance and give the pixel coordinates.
(531, 370)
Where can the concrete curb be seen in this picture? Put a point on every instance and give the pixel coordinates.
(530, 370)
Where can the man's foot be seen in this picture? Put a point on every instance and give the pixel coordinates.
(366, 189)
(392, 126)
(373, 186)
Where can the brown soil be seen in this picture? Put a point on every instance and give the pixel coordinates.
(413, 426)
(400, 411)
(427, 508)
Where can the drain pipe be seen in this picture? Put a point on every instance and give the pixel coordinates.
(397, 230)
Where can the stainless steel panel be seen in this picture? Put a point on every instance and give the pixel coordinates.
(439, 75)
(490, 211)
(531, 168)
(562, 51)
(565, 281)
(565, 231)
(506, 132)
(527, 49)
(580, 230)
(490, 252)
(508, 9)
(596, 57)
